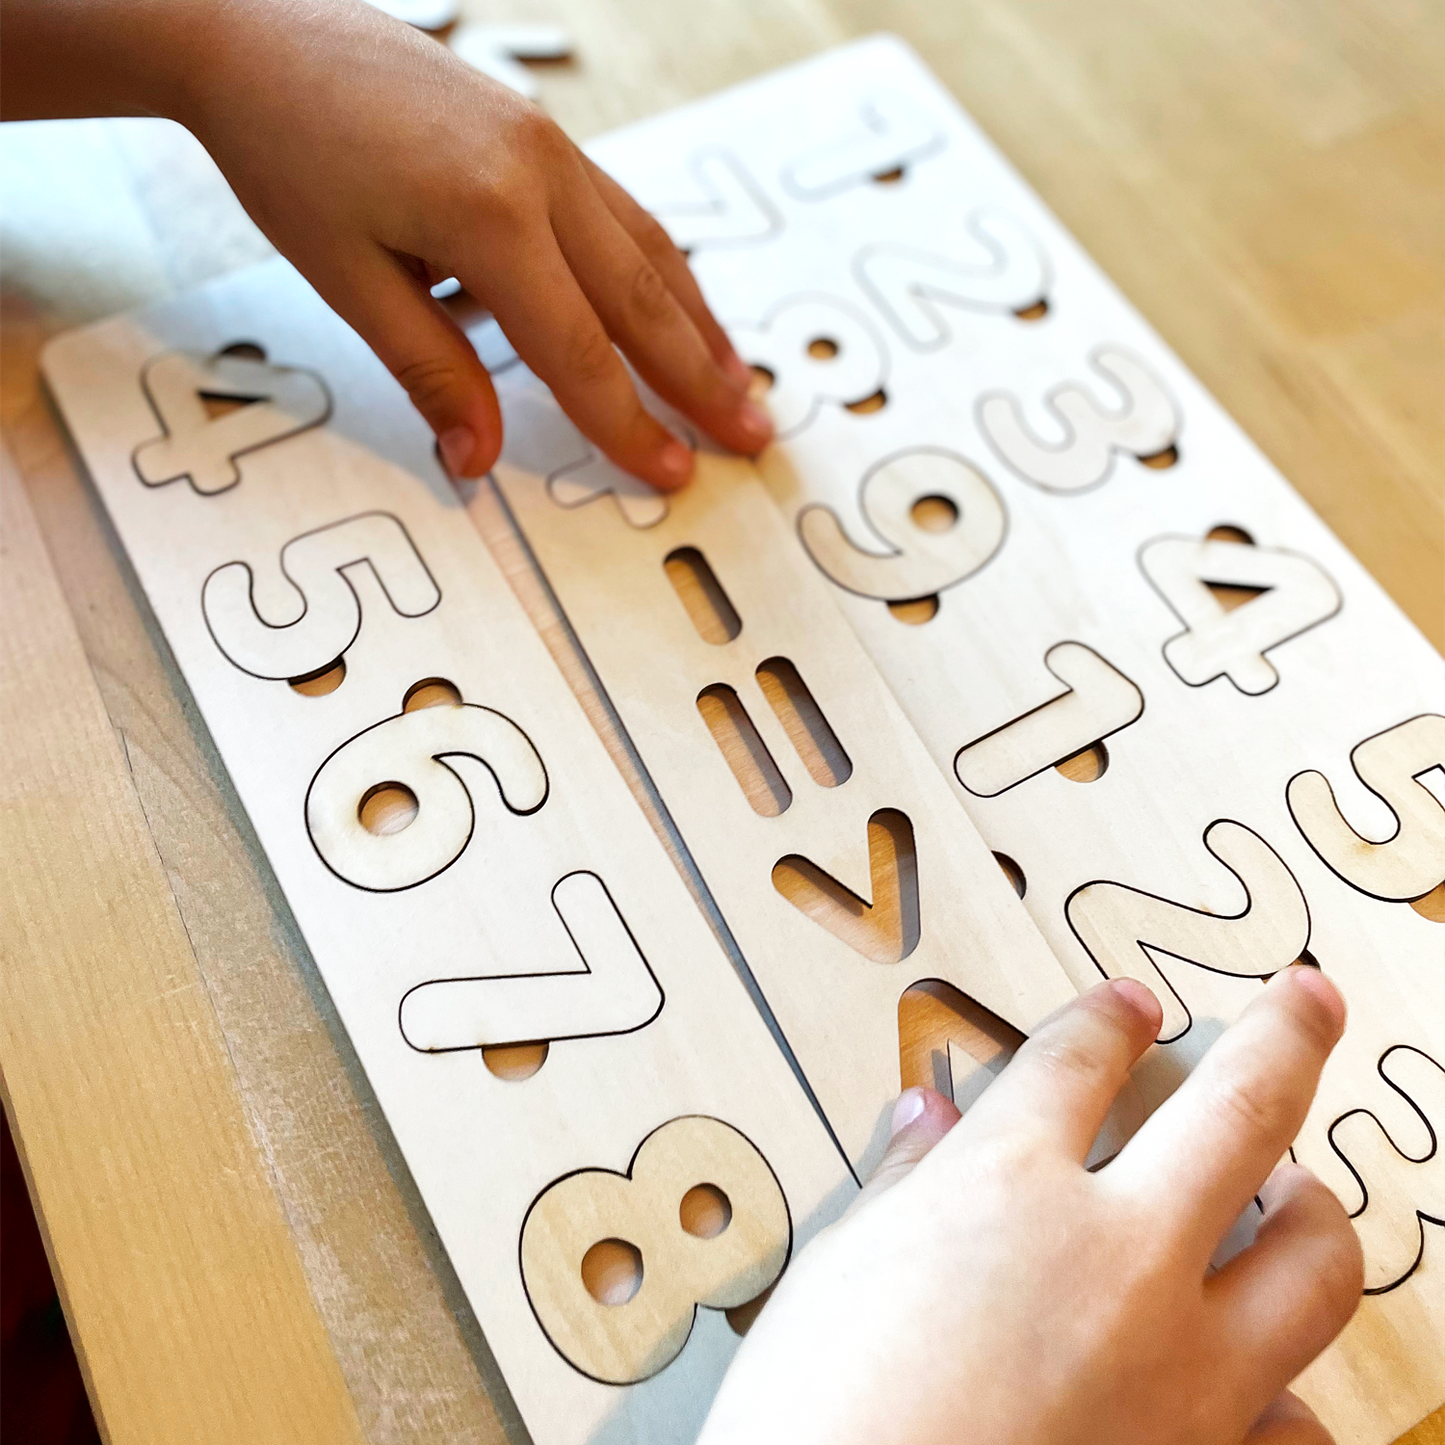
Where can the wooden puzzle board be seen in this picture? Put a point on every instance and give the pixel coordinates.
(1207, 738)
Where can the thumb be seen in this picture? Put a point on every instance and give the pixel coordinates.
(427, 352)
(921, 1117)
(1288, 1421)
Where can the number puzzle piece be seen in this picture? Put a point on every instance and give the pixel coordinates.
(1119, 926)
(677, 1270)
(275, 402)
(1002, 270)
(316, 610)
(496, 49)
(921, 560)
(1295, 594)
(813, 350)
(607, 988)
(733, 210)
(1146, 425)
(1402, 1188)
(1099, 702)
(895, 132)
(408, 752)
(1409, 863)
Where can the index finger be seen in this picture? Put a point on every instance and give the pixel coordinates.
(1205, 1152)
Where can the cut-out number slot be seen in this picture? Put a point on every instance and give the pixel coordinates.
(732, 209)
(702, 596)
(1002, 270)
(629, 1315)
(938, 518)
(895, 130)
(410, 751)
(1411, 862)
(1099, 702)
(1146, 425)
(1294, 595)
(808, 730)
(886, 928)
(1120, 926)
(744, 750)
(275, 402)
(605, 987)
(297, 619)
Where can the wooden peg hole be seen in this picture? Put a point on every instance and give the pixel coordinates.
(322, 681)
(218, 406)
(762, 382)
(1161, 461)
(702, 596)
(387, 808)
(1035, 312)
(868, 404)
(1227, 532)
(933, 514)
(740, 1317)
(705, 1211)
(245, 350)
(430, 692)
(889, 178)
(1013, 873)
(612, 1271)
(514, 1061)
(822, 348)
(915, 611)
(743, 749)
(1087, 765)
(808, 730)
(1432, 904)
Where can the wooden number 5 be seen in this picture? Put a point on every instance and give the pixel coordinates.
(618, 1336)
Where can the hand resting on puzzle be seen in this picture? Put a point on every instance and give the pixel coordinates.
(985, 1287)
(379, 163)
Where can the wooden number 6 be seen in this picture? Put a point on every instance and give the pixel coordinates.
(642, 1212)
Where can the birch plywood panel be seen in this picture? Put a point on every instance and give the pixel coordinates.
(464, 860)
(798, 786)
(1160, 684)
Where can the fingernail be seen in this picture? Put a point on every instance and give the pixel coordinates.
(756, 422)
(457, 445)
(910, 1105)
(676, 461)
(737, 370)
(1139, 996)
(1302, 975)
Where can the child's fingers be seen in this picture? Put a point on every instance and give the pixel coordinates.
(425, 351)
(657, 246)
(549, 320)
(1204, 1153)
(1287, 1420)
(1282, 1300)
(645, 318)
(921, 1117)
(1065, 1077)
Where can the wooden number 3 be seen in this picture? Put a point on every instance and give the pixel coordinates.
(638, 1323)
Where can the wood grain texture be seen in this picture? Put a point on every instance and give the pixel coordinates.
(1261, 181)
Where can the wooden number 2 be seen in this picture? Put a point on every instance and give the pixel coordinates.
(642, 1211)
(918, 562)
(1411, 862)
(276, 402)
(410, 751)
(1116, 924)
(315, 607)
(1294, 594)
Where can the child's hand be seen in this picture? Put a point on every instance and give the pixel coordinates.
(986, 1288)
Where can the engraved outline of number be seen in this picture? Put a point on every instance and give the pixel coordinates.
(340, 570)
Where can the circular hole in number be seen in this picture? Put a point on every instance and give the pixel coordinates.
(762, 382)
(323, 680)
(705, 1211)
(1087, 765)
(1013, 873)
(1160, 461)
(889, 178)
(1036, 312)
(1432, 904)
(1229, 533)
(933, 514)
(246, 350)
(612, 1271)
(430, 692)
(822, 348)
(387, 808)
(865, 406)
(915, 611)
(514, 1061)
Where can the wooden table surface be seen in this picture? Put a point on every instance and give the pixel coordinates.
(241, 1252)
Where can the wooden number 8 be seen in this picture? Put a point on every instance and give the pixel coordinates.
(642, 1212)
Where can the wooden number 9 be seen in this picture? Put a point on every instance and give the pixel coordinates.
(642, 1211)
